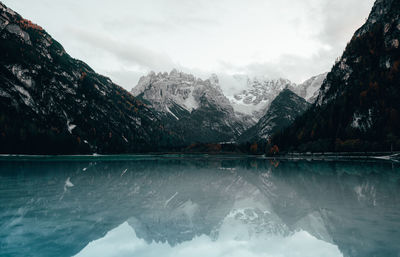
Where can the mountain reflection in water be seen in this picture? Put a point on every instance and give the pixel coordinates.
(212, 206)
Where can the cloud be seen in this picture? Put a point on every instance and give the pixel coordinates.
(124, 62)
(292, 67)
(128, 78)
(341, 19)
(286, 38)
(128, 53)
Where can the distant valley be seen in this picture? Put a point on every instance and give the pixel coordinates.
(51, 103)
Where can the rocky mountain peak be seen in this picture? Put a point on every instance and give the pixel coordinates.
(166, 89)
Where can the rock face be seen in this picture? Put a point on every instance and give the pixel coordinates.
(195, 109)
(282, 112)
(357, 107)
(51, 103)
(255, 100)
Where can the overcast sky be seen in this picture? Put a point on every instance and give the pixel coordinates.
(125, 39)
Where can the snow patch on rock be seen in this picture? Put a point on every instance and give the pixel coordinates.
(164, 90)
(22, 75)
(362, 122)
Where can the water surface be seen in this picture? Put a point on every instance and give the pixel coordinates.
(198, 206)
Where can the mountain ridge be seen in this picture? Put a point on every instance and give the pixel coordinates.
(194, 108)
(281, 113)
(357, 108)
(51, 103)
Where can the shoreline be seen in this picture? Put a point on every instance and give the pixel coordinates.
(330, 156)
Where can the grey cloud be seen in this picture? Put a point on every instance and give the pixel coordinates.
(99, 30)
(292, 67)
(160, 16)
(126, 78)
(130, 54)
(341, 18)
(160, 25)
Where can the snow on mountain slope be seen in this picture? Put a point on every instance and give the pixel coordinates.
(196, 109)
(185, 100)
(260, 92)
(165, 89)
(283, 111)
(309, 89)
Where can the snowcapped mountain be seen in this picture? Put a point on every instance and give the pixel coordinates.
(309, 89)
(283, 111)
(184, 100)
(255, 100)
(194, 108)
(166, 90)
(51, 103)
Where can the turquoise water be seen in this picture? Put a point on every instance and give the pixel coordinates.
(198, 206)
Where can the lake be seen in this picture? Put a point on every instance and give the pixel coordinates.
(198, 206)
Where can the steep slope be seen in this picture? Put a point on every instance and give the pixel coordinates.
(358, 106)
(255, 100)
(309, 89)
(282, 112)
(51, 103)
(195, 109)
